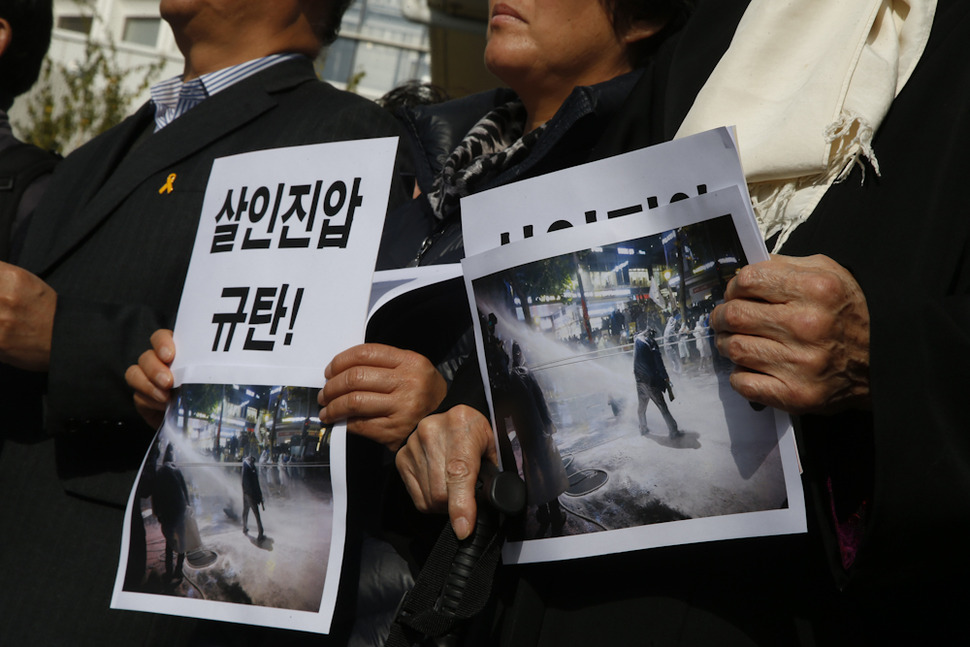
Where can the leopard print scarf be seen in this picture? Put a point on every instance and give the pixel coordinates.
(494, 144)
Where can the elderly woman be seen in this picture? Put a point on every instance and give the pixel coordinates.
(569, 65)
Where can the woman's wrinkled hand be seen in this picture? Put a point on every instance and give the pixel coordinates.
(797, 330)
(381, 391)
(441, 460)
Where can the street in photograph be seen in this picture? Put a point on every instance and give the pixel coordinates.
(235, 500)
(608, 390)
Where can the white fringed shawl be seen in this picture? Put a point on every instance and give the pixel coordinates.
(807, 83)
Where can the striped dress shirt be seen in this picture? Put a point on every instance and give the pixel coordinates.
(173, 97)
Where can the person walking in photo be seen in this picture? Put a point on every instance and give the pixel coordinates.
(170, 500)
(652, 381)
(252, 496)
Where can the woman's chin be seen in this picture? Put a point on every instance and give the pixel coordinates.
(511, 67)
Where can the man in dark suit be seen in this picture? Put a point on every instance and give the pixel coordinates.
(652, 381)
(25, 170)
(102, 268)
(25, 35)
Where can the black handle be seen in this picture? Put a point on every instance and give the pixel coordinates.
(497, 493)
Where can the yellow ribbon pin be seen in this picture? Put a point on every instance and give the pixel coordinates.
(168, 188)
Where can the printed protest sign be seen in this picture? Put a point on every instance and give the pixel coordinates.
(239, 511)
(603, 383)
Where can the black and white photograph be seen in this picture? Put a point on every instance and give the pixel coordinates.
(607, 389)
(235, 501)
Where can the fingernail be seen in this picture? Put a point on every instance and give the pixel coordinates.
(163, 379)
(462, 527)
(165, 353)
(158, 395)
(326, 372)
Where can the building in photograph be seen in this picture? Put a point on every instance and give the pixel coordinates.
(618, 289)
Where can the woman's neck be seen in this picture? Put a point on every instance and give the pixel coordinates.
(542, 102)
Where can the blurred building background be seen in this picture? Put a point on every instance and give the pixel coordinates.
(382, 43)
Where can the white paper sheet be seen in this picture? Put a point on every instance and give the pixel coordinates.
(733, 472)
(604, 190)
(278, 283)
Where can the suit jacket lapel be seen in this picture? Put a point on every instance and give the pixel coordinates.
(205, 124)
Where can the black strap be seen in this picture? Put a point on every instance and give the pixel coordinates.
(456, 581)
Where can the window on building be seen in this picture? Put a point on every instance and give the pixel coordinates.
(379, 42)
(80, 24)
(141, 31)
